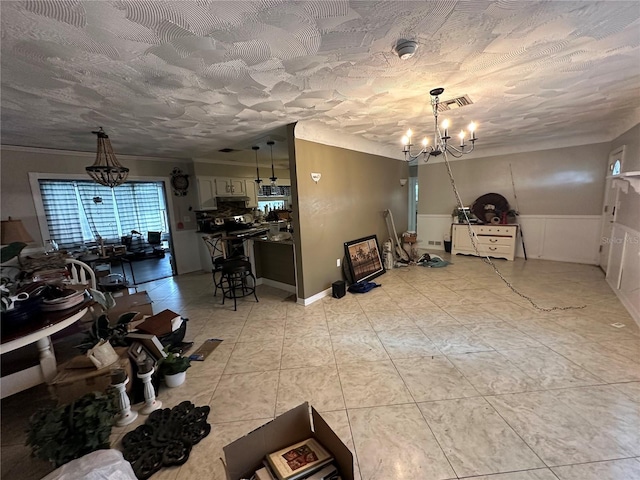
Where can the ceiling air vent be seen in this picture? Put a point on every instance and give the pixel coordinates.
(227, 150)
(454, 103)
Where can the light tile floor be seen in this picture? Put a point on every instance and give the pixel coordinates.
(439, 374)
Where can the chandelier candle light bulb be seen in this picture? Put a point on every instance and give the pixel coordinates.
(440, 144)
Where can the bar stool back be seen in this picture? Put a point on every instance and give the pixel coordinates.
(237, 281)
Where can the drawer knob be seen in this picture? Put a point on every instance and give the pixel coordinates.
(493, 240)
(493, 248)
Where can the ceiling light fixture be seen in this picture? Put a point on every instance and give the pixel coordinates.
(258, 180)
(406, 49)
(273, 177)
(106, 170)
(440, 144)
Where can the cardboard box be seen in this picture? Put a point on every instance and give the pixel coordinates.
(78, 377)
(159, 324)
(138, 302)
(244, 456)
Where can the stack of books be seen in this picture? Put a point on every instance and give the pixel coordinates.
(307, 460)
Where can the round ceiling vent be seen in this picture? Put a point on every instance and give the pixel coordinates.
(406, 49)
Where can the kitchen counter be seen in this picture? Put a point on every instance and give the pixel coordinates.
(266, 239)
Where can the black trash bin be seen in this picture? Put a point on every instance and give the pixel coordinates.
(447, 246)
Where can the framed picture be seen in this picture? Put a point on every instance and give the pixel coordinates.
(363, 258)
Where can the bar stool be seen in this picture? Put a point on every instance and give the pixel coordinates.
(237, 281)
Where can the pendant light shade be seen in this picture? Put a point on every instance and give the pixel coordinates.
(106, 170)
(273, 177)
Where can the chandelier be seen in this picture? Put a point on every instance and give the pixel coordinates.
(273, 177)
(106, 170)
(440, 141)
(258, 180)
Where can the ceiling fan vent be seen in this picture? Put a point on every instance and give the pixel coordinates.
(454, 103)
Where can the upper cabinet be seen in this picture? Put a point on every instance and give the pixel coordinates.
(252, 194)
(230, 187)
(207, 193)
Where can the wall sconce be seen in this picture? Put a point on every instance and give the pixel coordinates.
(403, 182)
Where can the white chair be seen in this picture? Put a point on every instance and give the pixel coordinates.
(81, 273)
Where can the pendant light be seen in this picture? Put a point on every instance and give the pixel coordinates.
(106, 170)
(258, 180)
(273, 177)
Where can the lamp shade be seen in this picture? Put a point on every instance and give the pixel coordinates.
(14, 231)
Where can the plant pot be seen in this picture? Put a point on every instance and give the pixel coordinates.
(175, 380)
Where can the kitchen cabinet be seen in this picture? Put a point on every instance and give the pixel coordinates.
(492, 240)
(207, 193)
(230, 187)
(252, 193)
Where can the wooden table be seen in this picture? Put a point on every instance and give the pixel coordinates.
(37, 331)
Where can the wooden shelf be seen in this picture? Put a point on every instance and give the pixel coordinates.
(625, 179)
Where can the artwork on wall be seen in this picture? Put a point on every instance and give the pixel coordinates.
(363, 258)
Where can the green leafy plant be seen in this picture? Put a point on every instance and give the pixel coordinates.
(67, 432)
(103, 328)
(172, 364)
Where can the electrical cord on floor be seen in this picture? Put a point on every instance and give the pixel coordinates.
(485, 258)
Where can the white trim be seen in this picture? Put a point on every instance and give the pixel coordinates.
(77, 153)
(37, 197)
(314, 298)
(545, 236)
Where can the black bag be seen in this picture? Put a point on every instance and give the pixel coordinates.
(362, 287)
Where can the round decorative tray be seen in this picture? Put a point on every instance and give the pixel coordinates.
(63, 303)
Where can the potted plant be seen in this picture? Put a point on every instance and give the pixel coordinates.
(64, 433)
(103, 328)
(174, 369)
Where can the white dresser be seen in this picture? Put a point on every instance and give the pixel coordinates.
(492, 240)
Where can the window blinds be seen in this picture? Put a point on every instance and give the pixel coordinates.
(79, 211)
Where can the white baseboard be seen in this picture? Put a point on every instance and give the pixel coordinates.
(314, 298)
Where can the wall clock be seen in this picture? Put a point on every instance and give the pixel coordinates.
(179, 182)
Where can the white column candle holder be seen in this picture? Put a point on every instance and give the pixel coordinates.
(126, 415)
(150, 401)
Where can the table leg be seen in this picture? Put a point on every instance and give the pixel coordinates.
(47, 359)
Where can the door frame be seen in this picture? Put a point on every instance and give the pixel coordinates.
(610, 207)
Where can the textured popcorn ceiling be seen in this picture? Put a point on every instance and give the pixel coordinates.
(187, 78)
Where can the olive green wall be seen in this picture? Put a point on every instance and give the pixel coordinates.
(347, 203)
(562, 181)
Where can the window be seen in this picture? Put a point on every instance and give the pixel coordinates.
(615, 170)
(81, 211)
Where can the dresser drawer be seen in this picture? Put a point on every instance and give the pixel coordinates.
(496, 230)
(489, 240)
(501, 250)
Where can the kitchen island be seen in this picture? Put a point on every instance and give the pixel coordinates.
(274, 263)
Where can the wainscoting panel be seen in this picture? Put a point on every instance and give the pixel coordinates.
(564, 238)
(623, 272)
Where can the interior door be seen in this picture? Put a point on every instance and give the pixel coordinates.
(608, 217)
